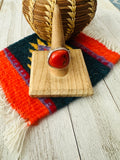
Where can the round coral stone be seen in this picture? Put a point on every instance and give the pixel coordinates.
(59, 59)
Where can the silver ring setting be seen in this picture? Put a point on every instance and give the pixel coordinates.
(57, 49)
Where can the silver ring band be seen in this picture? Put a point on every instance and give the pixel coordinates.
(57, 49)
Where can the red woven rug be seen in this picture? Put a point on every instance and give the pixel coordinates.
(100, 51)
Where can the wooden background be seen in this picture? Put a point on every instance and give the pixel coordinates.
(87, 129)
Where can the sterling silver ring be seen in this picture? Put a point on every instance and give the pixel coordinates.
(57, 49)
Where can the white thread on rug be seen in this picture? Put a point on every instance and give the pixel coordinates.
(16, 127)
(105, 26)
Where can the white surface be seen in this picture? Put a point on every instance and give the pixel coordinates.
(87, 129)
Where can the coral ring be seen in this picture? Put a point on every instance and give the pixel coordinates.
(59, 58)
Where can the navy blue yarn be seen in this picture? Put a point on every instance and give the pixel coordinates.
(20, 50)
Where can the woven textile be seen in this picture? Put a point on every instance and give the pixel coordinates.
(101, 53)
(15, 70)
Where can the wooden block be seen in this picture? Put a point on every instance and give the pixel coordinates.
(45, 84)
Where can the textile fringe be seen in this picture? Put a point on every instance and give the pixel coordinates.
(16, 127)
(105, 26)
(104, 40)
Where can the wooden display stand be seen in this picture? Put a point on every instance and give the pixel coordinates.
(71, 81)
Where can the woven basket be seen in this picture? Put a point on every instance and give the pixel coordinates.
(76, 14)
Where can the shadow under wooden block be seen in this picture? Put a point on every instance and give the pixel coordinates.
(75, 83)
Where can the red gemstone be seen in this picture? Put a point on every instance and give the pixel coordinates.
(59, 59)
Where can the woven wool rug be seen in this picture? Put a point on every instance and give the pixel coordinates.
(100, 45)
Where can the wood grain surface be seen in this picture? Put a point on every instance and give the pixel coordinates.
(43, 83)
(87, 129)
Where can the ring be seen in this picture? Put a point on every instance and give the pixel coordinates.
(59, 58)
